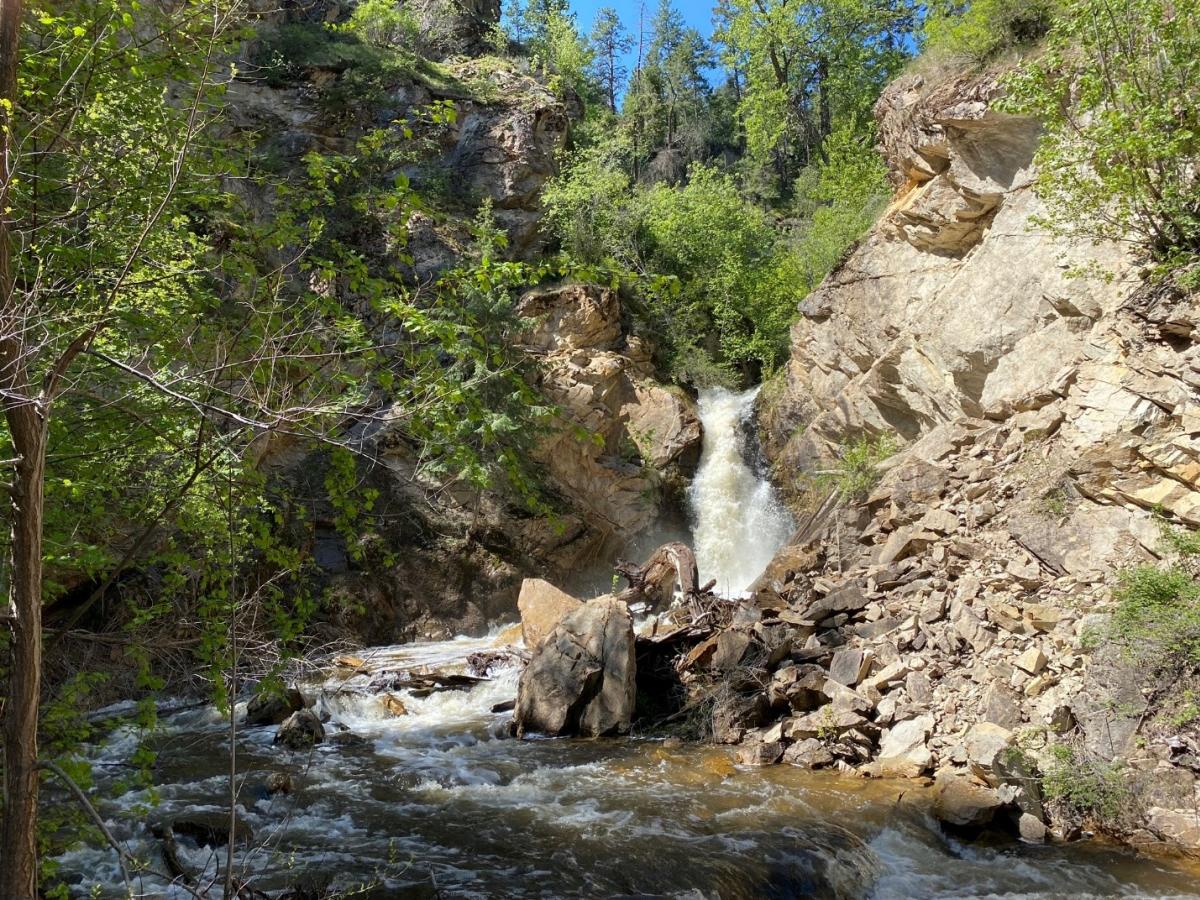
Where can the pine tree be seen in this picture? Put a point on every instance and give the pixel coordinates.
(610, 42)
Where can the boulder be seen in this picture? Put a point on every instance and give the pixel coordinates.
(300, 731)
(581, 679)
(1031, 661)
(808, 754)
(985, 741)
(1001, 706)
(542, 606)
(960, 801)
(902, 750)
(271, 708)
(849, 666)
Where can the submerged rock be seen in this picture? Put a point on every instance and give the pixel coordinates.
(300, 731)
(581, 680)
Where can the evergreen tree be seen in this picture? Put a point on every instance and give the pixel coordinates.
(610, 42)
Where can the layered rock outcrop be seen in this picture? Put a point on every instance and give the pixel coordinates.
(1046, 400)
(638, 433)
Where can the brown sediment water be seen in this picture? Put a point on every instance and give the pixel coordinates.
(441, 802)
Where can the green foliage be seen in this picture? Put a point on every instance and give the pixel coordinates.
(384, 23)
(809, 68)
(610, 42)
(738, 281)
(564, 55)
(980, 29)
(1117, 90)
(837, 202)
(370, 55)
(857, 471)
(1182, 541)
(1087, 787)
(1157, 619)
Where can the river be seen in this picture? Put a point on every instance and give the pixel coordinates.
(441, 802)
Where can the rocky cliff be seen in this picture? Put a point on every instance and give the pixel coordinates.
(1046, 401)
(434, 559)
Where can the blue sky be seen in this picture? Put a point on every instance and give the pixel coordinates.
(698, 15)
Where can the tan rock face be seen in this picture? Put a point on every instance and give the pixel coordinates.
(1044, 415)
(542, 606)
(571, 317)
(621, 432)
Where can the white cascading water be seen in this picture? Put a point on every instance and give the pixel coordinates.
(738, 521)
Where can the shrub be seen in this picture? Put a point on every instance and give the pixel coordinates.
(1157, 619)
(384, 23)
(983, 28)
(1119, 93)
(1086, 787)
(838, 201)
(858, 467)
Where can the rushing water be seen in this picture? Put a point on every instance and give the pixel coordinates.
(440, 802)
(738, 522)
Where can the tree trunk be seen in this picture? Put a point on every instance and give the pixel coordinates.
(18, 838)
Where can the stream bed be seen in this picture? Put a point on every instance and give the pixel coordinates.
(440, 802)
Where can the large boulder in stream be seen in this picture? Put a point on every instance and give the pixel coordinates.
(542, 606)
(581, 680)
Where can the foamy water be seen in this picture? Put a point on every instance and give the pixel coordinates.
(441, 802)
(738, 522)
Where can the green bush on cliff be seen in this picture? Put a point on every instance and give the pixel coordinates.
(983, 28)
(1119, 93)
(1157, 619)
(857, 471)
(1086, 787)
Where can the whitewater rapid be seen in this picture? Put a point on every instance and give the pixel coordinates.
(441, 802)
(738, 522)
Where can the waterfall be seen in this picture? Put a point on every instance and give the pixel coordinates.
(737, 519)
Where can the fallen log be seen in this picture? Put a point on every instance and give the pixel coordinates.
(655, 580)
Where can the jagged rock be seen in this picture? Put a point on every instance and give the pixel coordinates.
(1001, 706)
(1031, 661)
(903, 543)
(542, 606)
(919, 687)
(571, 316)
(842, 599)
(824, 723)
(849, 666)
(731, 647)
(902, 749)
(808, 754)
(734, 715)
(300, 731)
(271, 708)
(985, 741)
(581, 680)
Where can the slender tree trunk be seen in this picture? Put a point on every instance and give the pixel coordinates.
(18, 837)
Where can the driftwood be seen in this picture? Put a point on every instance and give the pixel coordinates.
(654, 581)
